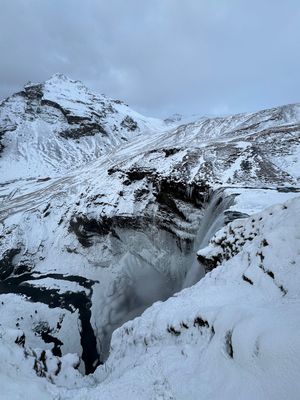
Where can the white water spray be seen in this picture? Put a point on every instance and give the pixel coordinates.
(213, 220)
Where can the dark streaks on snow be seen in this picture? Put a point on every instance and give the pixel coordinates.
(70, 301)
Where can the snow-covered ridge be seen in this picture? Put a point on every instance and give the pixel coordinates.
(56, 126)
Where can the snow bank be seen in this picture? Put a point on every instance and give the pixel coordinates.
(232, 335)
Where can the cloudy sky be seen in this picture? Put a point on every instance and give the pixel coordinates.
(161, 56)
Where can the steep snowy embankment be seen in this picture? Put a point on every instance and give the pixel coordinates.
(233, 335)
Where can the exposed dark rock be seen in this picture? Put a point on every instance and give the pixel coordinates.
(196, 193)
(139, 193)
(20, 340)
(75, 119)
(288, 189)
(8, 126)
(33, 92)
(271, 274)
(228, 344)
(45, 102)
(246, 165)
(208, 263)
(173, 331)
(44, 331)
(85, 228)
(168, 203)
(283, 290)
(137, 174)
(184, 325)
(6, 263)
(22, 268)
(46, 210)
(113, 170)
(201, 322)
(86, 129)
(246, 279)
(231, 215)
(171, 151)
(47, 178)
(1, 144)
(129, 124)
(39, 368)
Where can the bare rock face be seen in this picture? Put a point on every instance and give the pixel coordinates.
(129, 123)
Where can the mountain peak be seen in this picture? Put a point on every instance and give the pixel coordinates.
(61, 78)
(57, 78)
(65, 84)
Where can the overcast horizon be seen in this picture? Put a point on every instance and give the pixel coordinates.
(160, 56)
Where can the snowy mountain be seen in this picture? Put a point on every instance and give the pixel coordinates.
(50, 128)
(98, 227)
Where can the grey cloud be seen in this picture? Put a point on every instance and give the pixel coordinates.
(160, 56)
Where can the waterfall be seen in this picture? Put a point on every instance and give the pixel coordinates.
(213, 219)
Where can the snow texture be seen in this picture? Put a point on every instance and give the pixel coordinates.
(165, 254)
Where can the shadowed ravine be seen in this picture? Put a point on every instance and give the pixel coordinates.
(143, 281)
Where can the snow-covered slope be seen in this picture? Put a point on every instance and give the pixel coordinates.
(87, 248)
(234, 335)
